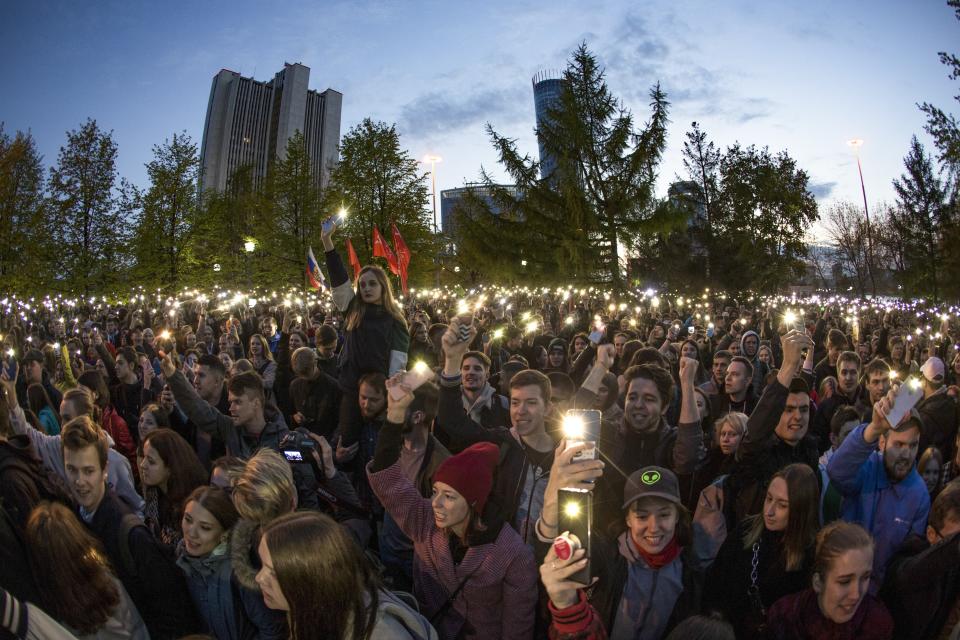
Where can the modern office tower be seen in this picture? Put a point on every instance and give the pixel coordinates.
(249, 123)
(547, 86)
(450, 199)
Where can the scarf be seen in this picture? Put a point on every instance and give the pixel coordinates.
(204, 565)
(661, 559)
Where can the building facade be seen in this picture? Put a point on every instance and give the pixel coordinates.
(547, 86)
(249, 122)
(450, 199)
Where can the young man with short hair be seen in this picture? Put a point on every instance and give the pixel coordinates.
(737, 394)
(526, 446)
(848, 392)
(154, 582)
(718, 371)
(481, 401)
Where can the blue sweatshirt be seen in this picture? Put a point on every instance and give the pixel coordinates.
(889, 511)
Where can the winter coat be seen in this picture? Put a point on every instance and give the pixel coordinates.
(729, 578)
(500, 593)
(940, 416)
(118, 430)
(319, 402)
(397, 621)
(798, 617)
(762, 453)
(230, 610)
(922, 586)
(153, 581)
(379, 343)
(888, 511)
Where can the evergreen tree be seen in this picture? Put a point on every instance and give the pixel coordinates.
(920, 219)
(25, 250)
(379, 183)
(701, 159)
(82, 204)
(167, 214)
(943, 126)
(598, 201)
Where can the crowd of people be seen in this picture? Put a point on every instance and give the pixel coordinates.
(395, 468)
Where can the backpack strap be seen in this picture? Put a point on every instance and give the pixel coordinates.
(129, 522)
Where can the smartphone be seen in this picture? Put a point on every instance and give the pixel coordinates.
(582, 426)
(690, 330)
(599, 329)
(328, 225)
(908, 395)
(575, 518)
(414, 379)
(464, 321)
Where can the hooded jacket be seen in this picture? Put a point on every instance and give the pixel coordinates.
(760, 369)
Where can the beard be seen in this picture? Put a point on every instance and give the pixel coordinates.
(897, 467)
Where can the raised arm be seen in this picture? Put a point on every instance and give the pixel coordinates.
(339, 280)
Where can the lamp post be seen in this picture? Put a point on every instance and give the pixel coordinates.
(433, 160)
(855, 144)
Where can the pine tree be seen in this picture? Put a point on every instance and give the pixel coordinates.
(701, 159)
(922, 215)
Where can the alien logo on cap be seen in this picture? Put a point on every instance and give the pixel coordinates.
(650, 477)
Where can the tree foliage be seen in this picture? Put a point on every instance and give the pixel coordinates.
(91, 231)
(167, 214)
(25, 252)
(598, 201)
(378, 183)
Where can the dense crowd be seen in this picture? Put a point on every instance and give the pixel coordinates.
(395, 467)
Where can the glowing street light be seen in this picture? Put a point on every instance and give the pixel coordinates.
(249, 246)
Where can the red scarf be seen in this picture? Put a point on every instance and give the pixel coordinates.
(659, 560)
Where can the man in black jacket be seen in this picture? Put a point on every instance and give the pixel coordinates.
(938, 410)
(776, 432)
(922, 585)
(154, 582)
(848, 392)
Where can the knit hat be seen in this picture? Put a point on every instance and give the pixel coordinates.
(470, 473)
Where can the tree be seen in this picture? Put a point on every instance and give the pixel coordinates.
(943, 126)
(921, 216)
(25, 249)
(167, 213)
(292, 223)
(599, 199)
(379, 183)
(763, 214)
(846, 227)
(82, 203)
(701, 159)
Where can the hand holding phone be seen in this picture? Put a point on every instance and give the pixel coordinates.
(906, 397)
(409, 381)
(464, 322)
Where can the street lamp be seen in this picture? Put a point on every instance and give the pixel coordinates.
(855, 144)
(249, 245)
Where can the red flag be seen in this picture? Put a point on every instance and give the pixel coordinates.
(403, 255)
(382, 250)
(352, 259)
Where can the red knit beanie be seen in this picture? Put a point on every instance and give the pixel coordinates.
(470, 473)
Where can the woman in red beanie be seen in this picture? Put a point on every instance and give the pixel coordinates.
(473, 575)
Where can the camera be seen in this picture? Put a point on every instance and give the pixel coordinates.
(298, 447)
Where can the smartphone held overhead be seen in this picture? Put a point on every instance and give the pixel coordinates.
(907, 396)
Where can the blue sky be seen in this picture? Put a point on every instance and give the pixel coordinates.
(804, 77)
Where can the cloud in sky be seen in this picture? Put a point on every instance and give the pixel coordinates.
(437, 113)
(822, 190)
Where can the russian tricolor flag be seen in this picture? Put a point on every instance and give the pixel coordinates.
(314, 275)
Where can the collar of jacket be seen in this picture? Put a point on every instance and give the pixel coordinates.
(484, 400)
(243, 548)
(206, 565)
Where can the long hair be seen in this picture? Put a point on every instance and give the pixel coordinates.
(78, 587)
(264, 347)
(37, 398)
(186, 471)
(803, 494)
(217, 502)
(315, 560)
(357, 307)
(98, 385)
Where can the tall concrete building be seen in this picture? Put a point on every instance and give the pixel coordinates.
(450, 199)
(547, 86)
(249, 123)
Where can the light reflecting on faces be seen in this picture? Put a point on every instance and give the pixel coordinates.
(474, 374)
(372, 401)
(527, 409)
(450, 509)
(643, 407)
(652, 523)
(842, 589)
(201, 530)
(776, 506)
(267, 580)
(795, 418)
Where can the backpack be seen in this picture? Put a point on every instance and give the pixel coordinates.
(128, 523)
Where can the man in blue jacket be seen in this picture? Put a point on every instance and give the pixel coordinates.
(881, 488)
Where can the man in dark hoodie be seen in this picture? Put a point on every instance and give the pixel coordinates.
(938, 410)
(849, 392)
(776, 433)
(749, 349)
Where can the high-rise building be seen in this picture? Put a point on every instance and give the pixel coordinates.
(249, 123)
(450, 199)
(547, 86)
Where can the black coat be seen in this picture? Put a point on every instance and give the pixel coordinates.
(155, 584)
